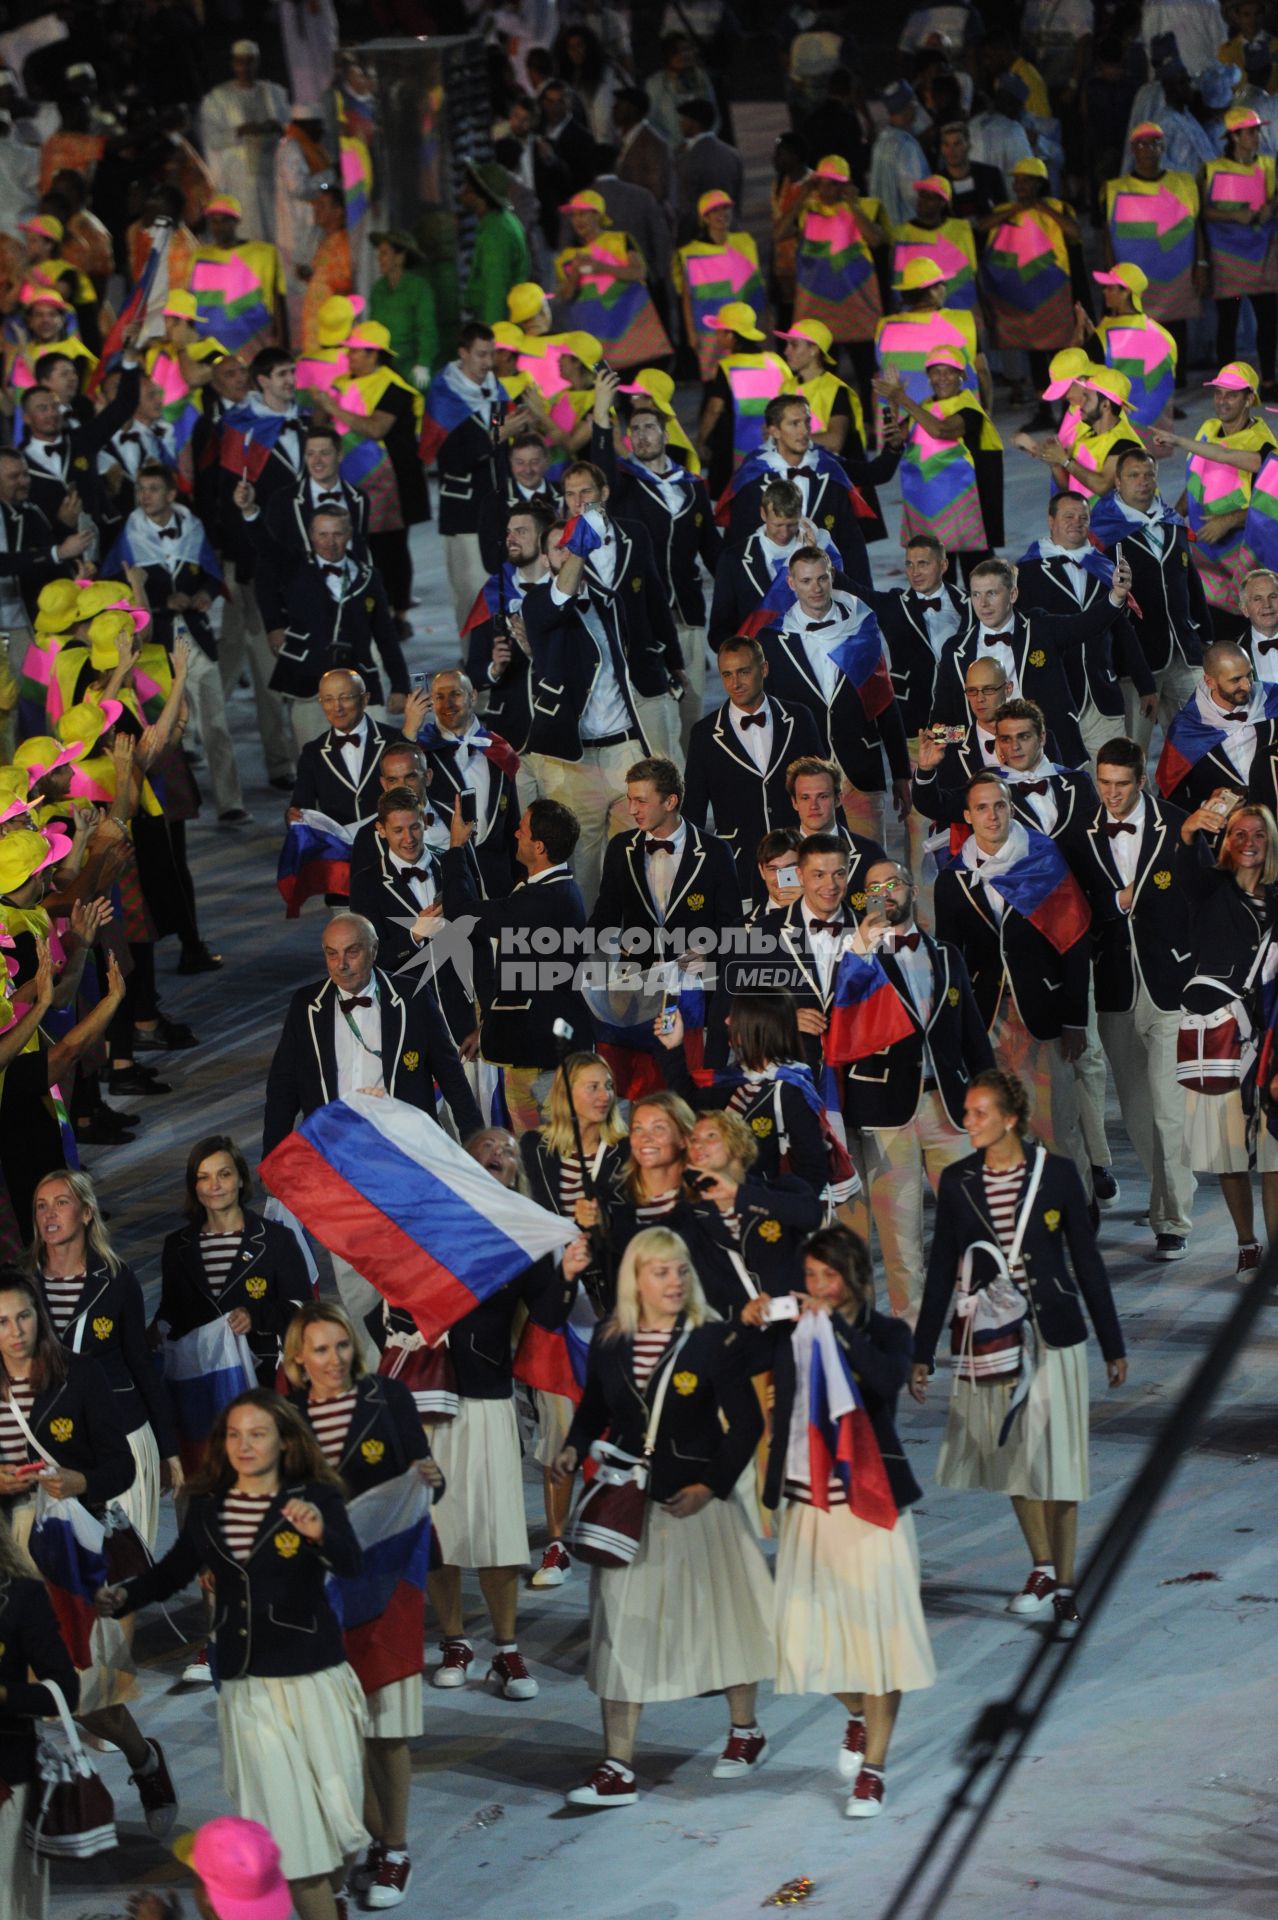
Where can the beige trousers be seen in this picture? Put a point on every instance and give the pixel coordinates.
(242, 639)
(1049, 1081)
(1141, 1046)
(894, 1161)
(1175, 684)
(594, 789)
(466, 572)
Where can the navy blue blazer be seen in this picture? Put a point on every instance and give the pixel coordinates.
(267, 1280)
(385, 1435)
(1064, 1270)
(78, 1424)
(722, 778)
(710, 1424)
(272, 1613)
(109, 1326)
(518, 1023)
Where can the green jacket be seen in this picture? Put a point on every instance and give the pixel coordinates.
(501, 261)
(408, 313)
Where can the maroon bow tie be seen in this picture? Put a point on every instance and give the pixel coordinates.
(414, 873)
(1237, 717)
(929, 606)
(658, 846)
(907, 943)
(827, 926)
(1033, 786)
(753, 720)
(360, 1000)
(346, 739)
(1113, 827)
(1266, 646)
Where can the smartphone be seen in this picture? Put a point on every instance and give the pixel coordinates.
(1118, 554)
(419, 680)
(783, 1306)
(701, 1181)
(947, 736)
(468, 806)
(600, 366)
(1222, 801)
(30, 1467)
(666, 1020)
(788, 877)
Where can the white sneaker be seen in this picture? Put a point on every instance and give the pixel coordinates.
(1036, 1595)
(556, 1565)
(852, 1752)
(608, 1786)
(514, 1682)
(197, 1672)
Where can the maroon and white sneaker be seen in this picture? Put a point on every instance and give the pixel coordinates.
(556, 1565)
(1249, 1258)
(1067, 1616)
(513, 1680)
(852, 1752)
(157, 1794)
(364, 1872)
(744, 1753)
(390, 1882)
(1036, 1595)
(866, 1797)
(610, 1785)
(455, 1663)
(197, 1672)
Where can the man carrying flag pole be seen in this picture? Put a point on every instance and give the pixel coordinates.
(1019, 919)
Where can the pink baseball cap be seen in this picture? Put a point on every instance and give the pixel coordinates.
(239, 1864)
(1238, 375)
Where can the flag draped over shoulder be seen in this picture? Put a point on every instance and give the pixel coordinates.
(382, 1608)
(842, 1444)
(1037, 882)
(383, 1186)
(859, 656)
(1190, 738)
(315, 858)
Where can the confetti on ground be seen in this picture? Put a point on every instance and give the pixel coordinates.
(790, 1894)
(1188, 1579)
(486, 1817)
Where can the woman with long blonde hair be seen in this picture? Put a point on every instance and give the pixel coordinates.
(557, 1178)
(692, 1612)
(95, 1304)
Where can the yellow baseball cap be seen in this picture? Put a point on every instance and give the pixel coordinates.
(181, 305)
(43, 754)
(1036, 169)
(736, 317)
(56, 609)
(814, 331)
(337, 316)
(587, 349)
(1237, 375)
(1065, 367)
(715, 198)
(225, 203)
(371, 334)
(1125, 274)
(1114, 385)
(47, 225)
(657, 385)
(587, 202)
(832, 167)
(508, 336)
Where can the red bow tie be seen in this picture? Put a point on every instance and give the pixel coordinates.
(658, 846)
(346, 739)
(753, 720)
(827, 926)
(1113, 827)
(360, 1000)
(906, 943)
(414, 873)
(1032, 786)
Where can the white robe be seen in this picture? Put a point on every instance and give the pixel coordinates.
(309, 28)
(245, 168)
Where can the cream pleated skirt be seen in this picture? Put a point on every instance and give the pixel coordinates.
(480, 1522)
(849, 1614)
(293, 1758)
(692, 1613)
(1216, 1135)
(1044, 1458)
(25, 1878)
(141, 1501)
(554, 1417)
(395, 1712)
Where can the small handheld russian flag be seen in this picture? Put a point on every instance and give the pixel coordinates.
(584, 534)
(382, 1608)
(68, 1546)
(206, 1369)
(315, 858)
(866, 1014)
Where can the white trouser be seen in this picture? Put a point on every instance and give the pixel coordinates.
(594, 789)
(1098, 729)
(1093, 1084)
(1141, 1046)
(660, 718)
(466, 572)
(359, 1296)
(1050, 1083)
(1175, 684)
(693, 641)
(208, 705)
(241, 639)
(892, 1162)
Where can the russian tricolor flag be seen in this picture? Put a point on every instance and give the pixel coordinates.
(206, 1369)
(446, 410)
(866, 1014)
(380, 1184)
(248, 439)
(1190, 739)
(623, 1009)
(315, 858)
(498, 589)
(1041, 887)
(554, 1359)
(860, 657)
(842, 1443)
(145, 304)
(68, 1546)
(382, 1608)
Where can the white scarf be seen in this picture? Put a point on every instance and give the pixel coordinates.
(1239, 743)
(149, 550)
